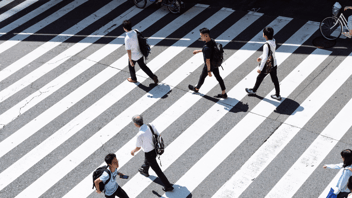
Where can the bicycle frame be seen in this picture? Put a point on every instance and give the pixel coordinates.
(343, 21)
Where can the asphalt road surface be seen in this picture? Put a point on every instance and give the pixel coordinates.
(65, 102)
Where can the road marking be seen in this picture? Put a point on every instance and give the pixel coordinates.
(5, 2)
(28, 16)
(314, 155)
(175, 111)
(15, 9)
(267, 152)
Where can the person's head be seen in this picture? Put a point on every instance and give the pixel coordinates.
(204, 34)
(349, 184)
(346, 156)
(112, 162)
(268, 33)
(137, 120)
(127, 26)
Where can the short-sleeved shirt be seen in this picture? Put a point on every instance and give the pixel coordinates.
(131, 43)
(112, 185)
(207, 51)
(145, 138)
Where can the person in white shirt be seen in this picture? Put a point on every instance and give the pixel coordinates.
(268, 34)
(135, 54)
(145, 141)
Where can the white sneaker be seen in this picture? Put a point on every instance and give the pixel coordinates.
(276, 97)
(250, 91)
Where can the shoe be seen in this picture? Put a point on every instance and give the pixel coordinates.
(168, 189)
(221, 96)
(346, 34)
(250, 91)
(193, 88)
(130, 80)
(276, 97)
(155, 78)
(141, 171)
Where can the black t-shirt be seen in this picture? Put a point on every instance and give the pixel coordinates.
(207, 51)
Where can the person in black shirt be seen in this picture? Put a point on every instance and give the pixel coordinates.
(208, 69)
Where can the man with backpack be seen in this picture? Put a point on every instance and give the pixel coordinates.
(108, 177)
(208, 55)
(268, 64)
(147, 143)
(135, 54)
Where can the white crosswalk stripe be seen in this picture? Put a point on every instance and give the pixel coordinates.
(33, 127)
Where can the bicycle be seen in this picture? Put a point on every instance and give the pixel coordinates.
(174, 6)
(331, 27)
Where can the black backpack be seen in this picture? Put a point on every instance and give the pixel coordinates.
(218, 55)
(158, 142)
(143, 45)
(97, 173)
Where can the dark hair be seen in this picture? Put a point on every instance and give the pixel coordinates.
(127, 25)
(204, 31)
(138, 119)
(347, 156)
(349, 183)
(109, 157)
(269, 32)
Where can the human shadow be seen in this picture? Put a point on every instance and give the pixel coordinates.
(156, 90)
(177, 192)
(286, 106)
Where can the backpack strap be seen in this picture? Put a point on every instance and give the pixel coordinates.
(151, 129)
(108, 171)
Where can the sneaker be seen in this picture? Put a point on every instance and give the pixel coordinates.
(130, 80)
(141, 171)
(155, 78)
(193, 88)
(168, 189)
(221, 96)
(276, 97)
(250, 91)
(346, 34)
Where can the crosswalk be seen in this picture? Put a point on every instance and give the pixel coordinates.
(65, 102)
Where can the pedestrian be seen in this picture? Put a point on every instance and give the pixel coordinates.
(349, 185)
(135, 54)
(269, 45)
(208, 68)
(341, 189)
(145, 141)
(112, 189)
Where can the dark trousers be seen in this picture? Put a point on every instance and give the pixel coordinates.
(142, 65)
(150, 161)
(342, 195)
(119, 193)
(273, 75)
(216, 73)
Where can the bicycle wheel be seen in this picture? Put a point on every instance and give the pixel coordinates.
(174, 6)
(140, 3)
(330, 28)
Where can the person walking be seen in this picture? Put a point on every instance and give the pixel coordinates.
(135, 54)
(208, 68)
(112, 189)
(145, 141)
(341, 189)
(269, 46)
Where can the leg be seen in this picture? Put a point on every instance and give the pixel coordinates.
(350, 24)
(219, 79)
(144, 67)
(132, 70)
(146, 164)
(273, 75)
(259, 80)
(151, 157)
(202, 77)
(121, 193)
(342, 195)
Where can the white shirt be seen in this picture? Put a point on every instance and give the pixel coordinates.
(131, 43)
(264, 56)
(145, 138)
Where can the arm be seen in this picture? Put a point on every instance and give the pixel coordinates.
(129, 52)
(135, 150)
(264, 57)
(333, 166)
(208, 67)
(347, 7)
(96, 183)
(345, 176)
